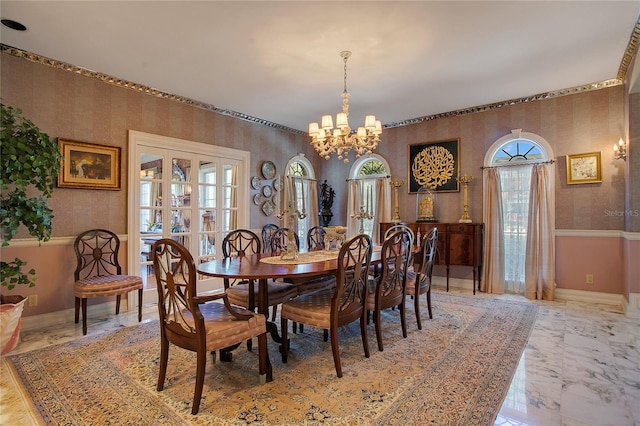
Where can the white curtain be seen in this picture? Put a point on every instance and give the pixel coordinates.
(540, 253)
(493, 270)
(311, 193)
(515, 183)
(353, 206)
(382, 208)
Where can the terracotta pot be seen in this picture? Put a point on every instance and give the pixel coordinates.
(10, 315)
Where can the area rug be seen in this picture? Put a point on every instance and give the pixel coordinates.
(455, 371)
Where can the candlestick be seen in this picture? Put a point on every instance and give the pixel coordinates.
(363, 213)
(465, 181)
(396, 183)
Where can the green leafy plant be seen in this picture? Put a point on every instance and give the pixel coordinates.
(30, 166)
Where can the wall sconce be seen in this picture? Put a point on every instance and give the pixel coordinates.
(620, 150)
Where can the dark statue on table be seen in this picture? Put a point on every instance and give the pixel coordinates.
(326, 201)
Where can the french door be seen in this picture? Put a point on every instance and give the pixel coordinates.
(193, 193)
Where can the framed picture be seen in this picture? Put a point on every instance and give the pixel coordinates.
(584, 168)
(89, 166)
(435, 165)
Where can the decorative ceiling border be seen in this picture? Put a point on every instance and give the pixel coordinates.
(630, 52)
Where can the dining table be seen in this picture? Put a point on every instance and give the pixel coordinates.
(265, 266)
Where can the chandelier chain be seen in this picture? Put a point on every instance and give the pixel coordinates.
(341, 140)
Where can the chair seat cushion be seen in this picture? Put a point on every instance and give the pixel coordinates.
(411, 285)
(107, 285)
(312, 308)
(223, 329)
(278, 293)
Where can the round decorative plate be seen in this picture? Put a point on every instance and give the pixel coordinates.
(267, 208)
(276, 185)
(268, 170)
(258, 199)
(255, 182)
(266, 191)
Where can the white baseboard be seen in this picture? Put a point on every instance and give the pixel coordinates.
(595, 297)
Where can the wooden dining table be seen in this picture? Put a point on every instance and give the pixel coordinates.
(263, 267)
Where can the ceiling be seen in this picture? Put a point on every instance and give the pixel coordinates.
(280, 62)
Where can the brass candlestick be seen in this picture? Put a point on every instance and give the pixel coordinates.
(396, 183)
(465, 181)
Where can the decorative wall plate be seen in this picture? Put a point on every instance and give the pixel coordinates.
(255, 182)
(268, 170)
(258, 199)
(266, 191)
(267, 208)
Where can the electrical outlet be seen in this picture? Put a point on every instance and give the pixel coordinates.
(33, 300)
(589, 278)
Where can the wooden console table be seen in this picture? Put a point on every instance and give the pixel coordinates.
(459, 244)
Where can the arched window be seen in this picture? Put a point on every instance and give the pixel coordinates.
(514, 157)
(369, 199)
(305, 190)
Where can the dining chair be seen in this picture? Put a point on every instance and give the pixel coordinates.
(267, 234)
(332, 308)
(98, 272)
(402, 226)
(388, 289)
(243, 242)
(315, 238)
(419, 282)
(199, 324)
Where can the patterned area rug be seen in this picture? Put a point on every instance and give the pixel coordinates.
(455, 371)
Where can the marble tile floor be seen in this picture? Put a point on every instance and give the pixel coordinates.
(580, 367)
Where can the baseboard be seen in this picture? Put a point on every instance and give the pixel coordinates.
(632, 309)
(100, 310)
(595, 297)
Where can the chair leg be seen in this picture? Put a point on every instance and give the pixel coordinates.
(265, 375)
(325, 334)
(284, 347)
(201, 363)
(429, 302)
(416, 304)
(139, 305)
(118, 297)
(403, 319)
(164, 357)
(77, 309)
(336, 352)
(365, 339)
(274, 311)
(377, 323)
(84, 315)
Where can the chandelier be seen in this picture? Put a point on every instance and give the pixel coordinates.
(341, 140)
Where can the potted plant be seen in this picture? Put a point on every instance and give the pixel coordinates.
(30, 166)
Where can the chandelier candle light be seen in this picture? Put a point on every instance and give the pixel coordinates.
(341, 140)
(465, 181)
(290, 252)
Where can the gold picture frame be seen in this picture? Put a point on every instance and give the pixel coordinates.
(88, 166)
(435, 165)
(584, 168)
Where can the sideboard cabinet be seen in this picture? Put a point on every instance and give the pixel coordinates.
(459, 244)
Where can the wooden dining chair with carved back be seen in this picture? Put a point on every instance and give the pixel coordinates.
(387, 290)
(419, 281)
(332, 308)
(267, 234)
(280, 239)
(315, 238)
(98, 272)
(196, 323)
(243, 242)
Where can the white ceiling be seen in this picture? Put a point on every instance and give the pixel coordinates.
(279, 61)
